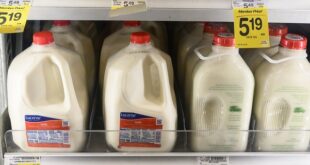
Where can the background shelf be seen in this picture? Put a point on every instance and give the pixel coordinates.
(284, 11)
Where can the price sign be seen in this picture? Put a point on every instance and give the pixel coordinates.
(251, 25)
(13, 16)
(124, 7)
(25, 161)
(206, 160)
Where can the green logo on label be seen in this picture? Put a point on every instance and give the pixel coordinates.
(234, 109)
(299, 110)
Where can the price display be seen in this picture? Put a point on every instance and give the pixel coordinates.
(251, 26)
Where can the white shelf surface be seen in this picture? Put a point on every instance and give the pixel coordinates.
(285, 11)
(163, 158)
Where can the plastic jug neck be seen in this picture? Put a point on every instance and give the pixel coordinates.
(275, 40)
(61, 29)
(225, 50)
(291, 52)
(141, 46)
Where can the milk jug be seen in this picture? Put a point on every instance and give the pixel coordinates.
(282, 98)
(116, 42)
(159, 30)
(221, 98)
(47, 97)
(210, 29)
(139, 98)
(69, 38)
(190, 35)
(253, 56)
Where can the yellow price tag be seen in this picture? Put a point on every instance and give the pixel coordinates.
(13, 18)
(251, 27)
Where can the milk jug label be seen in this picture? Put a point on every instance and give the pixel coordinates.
(137, 130)
(47, 132)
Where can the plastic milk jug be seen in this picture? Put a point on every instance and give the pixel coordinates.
(139, 98)
(69, 38)
(282, 98)
(192, 59)
(116, 41)
(47, 97)
(221, 98)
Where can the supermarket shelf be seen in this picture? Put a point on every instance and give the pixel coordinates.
(164, 158)
(284, 11)
(161, 154)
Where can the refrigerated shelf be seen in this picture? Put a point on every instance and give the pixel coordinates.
(284, 11)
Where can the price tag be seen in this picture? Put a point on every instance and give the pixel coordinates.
(125, 7)
(13, 15)
(220, 160)
(25, 161)
(251, 24)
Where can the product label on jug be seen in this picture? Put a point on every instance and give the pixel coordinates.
(47, 132)
(138, 130)
(286, 108)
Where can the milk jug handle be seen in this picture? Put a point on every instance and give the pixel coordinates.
(66, 79)
(272, 61)
(200, 56)
(167, 94)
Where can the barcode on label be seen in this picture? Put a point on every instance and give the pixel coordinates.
(214, 160)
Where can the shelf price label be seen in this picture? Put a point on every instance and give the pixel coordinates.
(25, 161)
(125, 7)
(251, 24)
(214, 160)
(13, 15)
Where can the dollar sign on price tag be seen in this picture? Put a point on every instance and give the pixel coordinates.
(251, 24)
(13, 15)
(125, 7)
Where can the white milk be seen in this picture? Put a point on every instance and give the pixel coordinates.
(47, 91)
(116, 42)
(139, 97)
(190, 35)
(252, 56)
(191, 59)
(221, 98)
(282, 98)
(69, 38)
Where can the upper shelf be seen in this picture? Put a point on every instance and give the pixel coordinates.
(285, 11)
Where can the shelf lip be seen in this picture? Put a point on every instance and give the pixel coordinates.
(168, 154)
(162, 14)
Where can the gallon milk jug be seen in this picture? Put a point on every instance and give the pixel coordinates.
(158, 29)
(253, 56)
(221, 98)
(139, 98)
(47, 97)
(69, 38)
(282, 98)
(210, 29)
(116, 41)
(190, 35)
